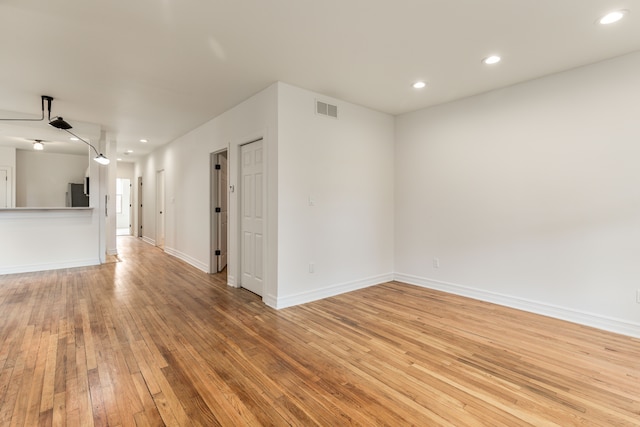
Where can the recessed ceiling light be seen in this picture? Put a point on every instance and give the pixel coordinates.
(143, 141)
(73, 138)
(612, 17)
(419, 85)
(119, 159)
(490, 60)
(129, 151)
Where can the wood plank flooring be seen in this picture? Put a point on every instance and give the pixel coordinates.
(151, 341)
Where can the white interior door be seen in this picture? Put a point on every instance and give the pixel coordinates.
(223, 215)
(160, 212)
(252, 216)
(4, 189)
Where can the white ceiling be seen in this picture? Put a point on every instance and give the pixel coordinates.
(156, 69)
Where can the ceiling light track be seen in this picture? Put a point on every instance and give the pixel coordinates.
(60, 123)
(43, 98)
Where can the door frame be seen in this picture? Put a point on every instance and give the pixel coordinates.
(139, 225)
(10, 197)
(160, 209)
(126, 204)
(213, 202)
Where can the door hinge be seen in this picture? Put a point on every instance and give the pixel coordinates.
(218, 167)
(218, 253)
(218, 210)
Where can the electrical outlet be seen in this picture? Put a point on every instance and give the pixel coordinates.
(638, 296)
(436, 262)
(312, 267)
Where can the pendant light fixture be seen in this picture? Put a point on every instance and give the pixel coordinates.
(59, 123)
(38, 145)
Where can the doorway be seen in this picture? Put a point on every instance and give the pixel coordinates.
(160, 209)
(219, 211)
(252, 221)
(123, 207)
(5, 187)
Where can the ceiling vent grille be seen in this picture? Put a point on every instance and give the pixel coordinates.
(326, 109)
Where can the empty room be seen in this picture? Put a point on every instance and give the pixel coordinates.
(320, 213)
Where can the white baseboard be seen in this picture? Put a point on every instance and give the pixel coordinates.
(231, 280)
(148, 240)
(49, 266)
(583, 318)
(329, 291)
(188, 259)
(270, 300)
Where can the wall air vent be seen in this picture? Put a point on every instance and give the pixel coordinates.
(326, 109)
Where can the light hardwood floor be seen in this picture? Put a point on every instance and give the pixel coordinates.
(152, 341)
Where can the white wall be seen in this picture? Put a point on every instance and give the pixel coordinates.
(186, 165)
(344, 167)
(42, 178)
(108, 146)
(529, 195)
(126, 170)
(48, 239)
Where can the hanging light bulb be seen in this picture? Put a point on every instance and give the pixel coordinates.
(100, 158)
